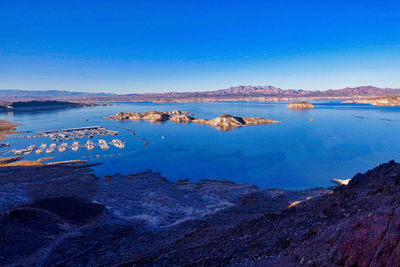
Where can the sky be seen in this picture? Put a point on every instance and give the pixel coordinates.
(156, 46)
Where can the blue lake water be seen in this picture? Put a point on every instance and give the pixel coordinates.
(298, 153)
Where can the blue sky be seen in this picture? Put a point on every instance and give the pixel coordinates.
(153, 46)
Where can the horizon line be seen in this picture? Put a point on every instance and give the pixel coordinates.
(202, 91)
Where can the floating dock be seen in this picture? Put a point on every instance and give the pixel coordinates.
(69, 130)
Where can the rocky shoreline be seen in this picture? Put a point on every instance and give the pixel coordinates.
(224, 122)
(62, 214)
(381, 101)
(6, 128)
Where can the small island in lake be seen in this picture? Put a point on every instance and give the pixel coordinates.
(223, 122)
(301, 105)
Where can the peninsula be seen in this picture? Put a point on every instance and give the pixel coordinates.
(223, 122)
(6, 128)
(40, 105)
(390, 100)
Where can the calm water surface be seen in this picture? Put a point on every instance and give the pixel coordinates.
(344, 139)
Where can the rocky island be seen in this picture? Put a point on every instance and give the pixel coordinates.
(223, 122)
(391, 101)
(62, 214)
(301, 105)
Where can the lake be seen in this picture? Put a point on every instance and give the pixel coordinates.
(342, 139)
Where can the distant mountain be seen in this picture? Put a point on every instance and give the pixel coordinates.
(273, 91)
(13, 92)
(237, 93)
(11, 95)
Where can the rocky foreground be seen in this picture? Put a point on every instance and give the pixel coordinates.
(223, 122)
(64, 215)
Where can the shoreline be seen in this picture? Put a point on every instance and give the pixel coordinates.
(194, 220)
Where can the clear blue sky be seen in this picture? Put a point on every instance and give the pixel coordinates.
(149, 46)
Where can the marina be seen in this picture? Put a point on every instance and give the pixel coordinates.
(68, 134)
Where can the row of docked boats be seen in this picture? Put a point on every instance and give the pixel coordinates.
(90, 145)
(75, 133)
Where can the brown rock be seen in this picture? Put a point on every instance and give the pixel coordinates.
(227, 120)
(182, 119)
(200, 121)
(301, 105)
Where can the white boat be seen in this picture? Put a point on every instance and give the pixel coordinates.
(118, 143)
(41, 148)
(63, 147)
(18, 151)
(75, 146)
(51, 148)
(103, 144)
(29, 149)
(89, 145)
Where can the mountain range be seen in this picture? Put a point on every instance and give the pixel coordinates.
(237, 93)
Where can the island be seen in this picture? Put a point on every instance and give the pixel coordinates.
(382, 101)
(224, 122)
(301, 105)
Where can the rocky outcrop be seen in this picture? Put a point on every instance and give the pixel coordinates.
(223, 122)
(391, 101)
(182, 119)
(301, 105)
(151, 116)
(227, 121)
(200, 121)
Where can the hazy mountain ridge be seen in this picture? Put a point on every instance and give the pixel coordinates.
(232, 93)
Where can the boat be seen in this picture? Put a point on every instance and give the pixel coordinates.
(103, 144)
(29, 149)
(41, 148)
(18, 151)
(75, 146)
(63, 147)
(51, 148)
(118, 143)
(90, 145)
